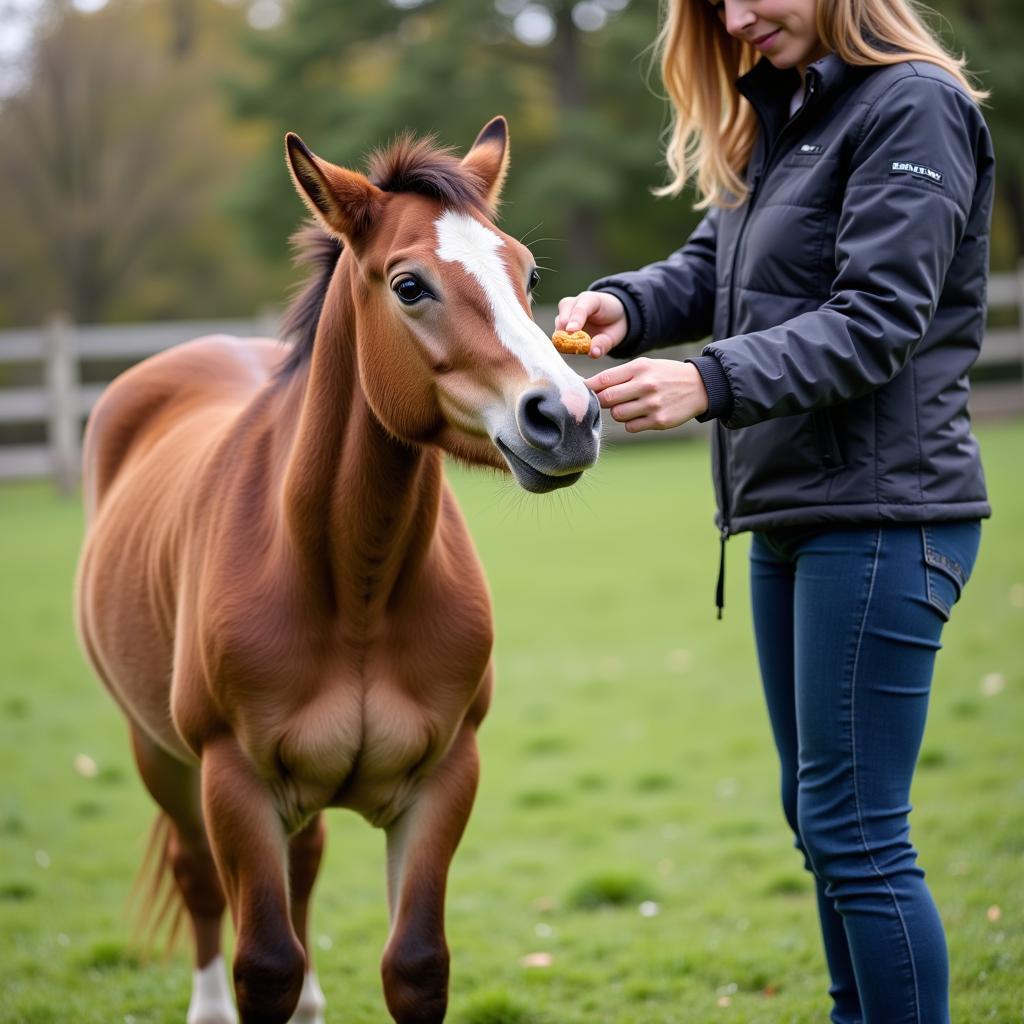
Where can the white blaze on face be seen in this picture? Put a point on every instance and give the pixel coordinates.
(463, 239)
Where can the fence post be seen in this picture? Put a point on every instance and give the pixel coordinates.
(62, 385)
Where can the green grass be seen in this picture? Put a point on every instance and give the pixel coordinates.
(626, 762)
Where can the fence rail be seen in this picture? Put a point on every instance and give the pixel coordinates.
(62, 401)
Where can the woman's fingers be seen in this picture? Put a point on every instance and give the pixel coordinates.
(631, 391)
(601, 314)
(576, 310)
(626, 411)
(650, 394)
(564, 307)
(613, 375)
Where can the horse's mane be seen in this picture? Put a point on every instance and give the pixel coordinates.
(407, 165)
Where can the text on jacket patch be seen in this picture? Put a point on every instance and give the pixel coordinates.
(903, 167)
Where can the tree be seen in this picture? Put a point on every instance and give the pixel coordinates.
(114, 155)
(991, 34)
(584, 127)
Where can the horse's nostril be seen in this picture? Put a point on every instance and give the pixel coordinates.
(540, 419)
(593, 412)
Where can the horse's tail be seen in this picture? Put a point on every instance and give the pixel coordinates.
(159, 908)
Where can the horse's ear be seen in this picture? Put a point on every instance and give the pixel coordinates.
(488, 158)
(345, 202)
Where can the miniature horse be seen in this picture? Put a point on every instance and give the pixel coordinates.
(277, 585)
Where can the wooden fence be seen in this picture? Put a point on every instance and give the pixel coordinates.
(61, 401)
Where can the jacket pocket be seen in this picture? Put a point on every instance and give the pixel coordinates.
(945, 576)
(829, 452)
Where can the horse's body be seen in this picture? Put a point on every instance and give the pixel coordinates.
(279, 589)
(209, 439)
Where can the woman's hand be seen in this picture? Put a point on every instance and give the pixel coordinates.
(600, 314)
(651, 394)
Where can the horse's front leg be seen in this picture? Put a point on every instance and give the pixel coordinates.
(304, 854)
(421, 844)
(250, 848)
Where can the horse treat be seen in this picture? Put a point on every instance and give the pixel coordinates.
(575, 344)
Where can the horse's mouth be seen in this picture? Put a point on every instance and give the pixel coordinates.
(531, 478)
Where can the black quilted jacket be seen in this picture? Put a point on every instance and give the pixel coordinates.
(846, 298)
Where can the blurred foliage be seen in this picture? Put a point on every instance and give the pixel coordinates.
(143, 172)
(991, 35)
(118, 152)
(584, 126)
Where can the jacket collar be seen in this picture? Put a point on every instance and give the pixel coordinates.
(766, 85)
(770, 89)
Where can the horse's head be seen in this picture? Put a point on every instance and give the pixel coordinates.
(448, 350)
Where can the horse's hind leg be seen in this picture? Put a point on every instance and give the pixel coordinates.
(304, 852)
(421, 844)
(175, 787)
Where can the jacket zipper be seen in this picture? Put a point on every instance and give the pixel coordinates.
(772, 147)
(759, 177)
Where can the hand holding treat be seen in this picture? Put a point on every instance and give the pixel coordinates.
(601, 314)
(575, 344)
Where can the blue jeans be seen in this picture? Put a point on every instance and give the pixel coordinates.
(847, 622)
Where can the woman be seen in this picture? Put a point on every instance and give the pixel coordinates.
(841, 272)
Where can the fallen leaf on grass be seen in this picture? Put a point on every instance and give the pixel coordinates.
(727, 789)
(537, 960)
(679, 660)
(993, 684)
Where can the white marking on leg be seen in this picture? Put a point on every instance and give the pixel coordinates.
(463, 239)
(311, 1002)
(211, 997)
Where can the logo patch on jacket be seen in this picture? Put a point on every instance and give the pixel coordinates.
(809, 149)
(905, 167)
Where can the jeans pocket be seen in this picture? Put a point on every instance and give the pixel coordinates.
(946, 566)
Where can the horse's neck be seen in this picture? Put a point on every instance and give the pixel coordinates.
(360, 507)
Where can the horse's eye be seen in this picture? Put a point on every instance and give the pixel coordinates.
(409, 290)
(534, 279)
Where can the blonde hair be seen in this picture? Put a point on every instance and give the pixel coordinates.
(713, 128)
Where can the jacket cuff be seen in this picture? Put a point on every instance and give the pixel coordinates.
(720, 397)
(635, 324)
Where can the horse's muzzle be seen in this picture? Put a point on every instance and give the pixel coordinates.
(546, 446)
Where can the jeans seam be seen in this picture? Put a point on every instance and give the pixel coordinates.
(856, 791)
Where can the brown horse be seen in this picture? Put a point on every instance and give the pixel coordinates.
(277, 585)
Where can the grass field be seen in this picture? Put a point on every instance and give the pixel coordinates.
(627, 823)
